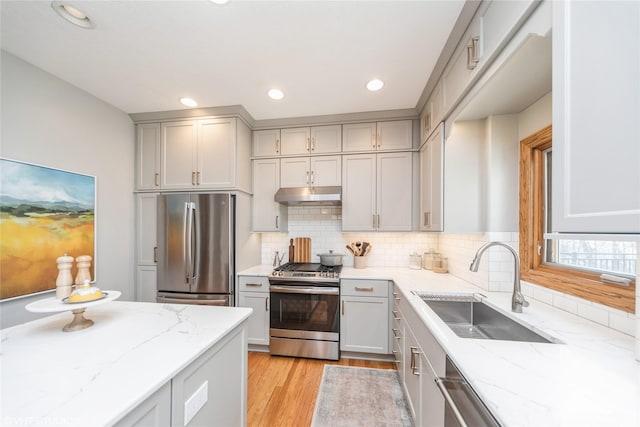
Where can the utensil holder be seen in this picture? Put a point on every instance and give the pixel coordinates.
(359, 262)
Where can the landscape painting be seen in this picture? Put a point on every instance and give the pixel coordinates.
(44, 214)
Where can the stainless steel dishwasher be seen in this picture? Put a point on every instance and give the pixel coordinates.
(463, 407)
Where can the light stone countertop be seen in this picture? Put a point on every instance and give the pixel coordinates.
(95, 376)
(590, 379)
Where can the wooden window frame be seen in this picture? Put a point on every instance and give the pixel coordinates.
(573, 282)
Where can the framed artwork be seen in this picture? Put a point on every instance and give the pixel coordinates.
(45, 213)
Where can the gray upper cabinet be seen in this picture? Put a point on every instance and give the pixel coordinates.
(596, 106)
(311, 140)
(266, 143)
(202, 154)
(148, 156)
(380, 136)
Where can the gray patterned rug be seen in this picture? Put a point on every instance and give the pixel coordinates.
(351, 396)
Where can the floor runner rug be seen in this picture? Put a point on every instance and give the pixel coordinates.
(352, 396)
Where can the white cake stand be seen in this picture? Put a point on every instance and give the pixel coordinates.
(79, 322)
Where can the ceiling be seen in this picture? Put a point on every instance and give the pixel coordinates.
(143, 56)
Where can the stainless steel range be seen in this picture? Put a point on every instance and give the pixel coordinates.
(304, 316)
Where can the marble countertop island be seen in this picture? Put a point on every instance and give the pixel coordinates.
(591, 378)
(95, 376)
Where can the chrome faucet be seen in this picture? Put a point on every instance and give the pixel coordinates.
(517, 299)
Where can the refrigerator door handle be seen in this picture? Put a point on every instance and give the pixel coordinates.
(185, 229)
(188, 242)
(194, 244)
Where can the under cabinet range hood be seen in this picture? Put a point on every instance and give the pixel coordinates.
(296, 196)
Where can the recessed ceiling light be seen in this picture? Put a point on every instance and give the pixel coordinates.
(188, 102)
(276, 94)
(375, 84)
(219, 1)
(73, 14)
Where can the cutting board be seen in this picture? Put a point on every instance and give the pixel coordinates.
(302, 249)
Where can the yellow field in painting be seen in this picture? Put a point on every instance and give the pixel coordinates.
(30, 245)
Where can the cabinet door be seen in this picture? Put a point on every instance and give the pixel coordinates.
(295, 141)
(326, 139)
(179, 141)
(266, 143)
(461, 69)
(358, 192)
(396, 135)
(359, 137)
(266, 213)
(146, 283)
(216, 155)
(146, 208)
(326, 171)
(412, 367)
(431, 180)
(364, 325)
(394, 189)
(148, 156)
(258, 323)
(596, 178)
(295, 172)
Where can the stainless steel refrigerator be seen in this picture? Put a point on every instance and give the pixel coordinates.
(196, 262)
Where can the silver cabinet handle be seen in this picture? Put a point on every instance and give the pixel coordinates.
(155, 254)
(414, 364)
(198, 178)
(313, 144)
(395, 333)
(395, 296)
(312, 178)
(253, 285)
(307, 144)
(193, 178)
(472, 53)
(445, 393)
(396, 316)
(277, 218)
(343, 308)
(277, 146)
(379, 138)
(427, 219)
(359, 289)
(307, 179)
(266, 303)
(156, 179)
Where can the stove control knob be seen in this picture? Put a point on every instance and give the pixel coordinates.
(281, 273)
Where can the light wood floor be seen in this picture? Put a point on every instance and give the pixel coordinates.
(282, 391)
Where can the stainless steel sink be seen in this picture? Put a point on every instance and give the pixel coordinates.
(469, 317)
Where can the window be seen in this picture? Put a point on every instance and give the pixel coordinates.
(572, 266)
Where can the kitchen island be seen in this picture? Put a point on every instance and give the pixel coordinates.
(589, 378)
(158, 364)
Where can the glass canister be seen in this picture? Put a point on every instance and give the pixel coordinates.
(415, 261)
(428, 258)
(441, 265)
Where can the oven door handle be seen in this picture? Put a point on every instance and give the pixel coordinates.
(316, 290)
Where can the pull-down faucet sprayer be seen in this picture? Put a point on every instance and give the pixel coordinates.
(517, 299)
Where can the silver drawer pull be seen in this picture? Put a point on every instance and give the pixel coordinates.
(254, 285)
(359, 289)
(396, 316)
(395, 296)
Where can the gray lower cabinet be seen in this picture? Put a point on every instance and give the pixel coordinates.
(364, 321)
(253, 292)
(211, 391)
(422, 360)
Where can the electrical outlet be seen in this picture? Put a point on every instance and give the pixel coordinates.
(196, 402)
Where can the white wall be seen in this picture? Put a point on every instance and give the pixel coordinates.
(49, 122)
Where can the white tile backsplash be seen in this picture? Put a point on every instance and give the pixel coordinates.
(324, 226)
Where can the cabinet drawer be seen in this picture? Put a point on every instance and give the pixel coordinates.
(253, 284)
(364, 288)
